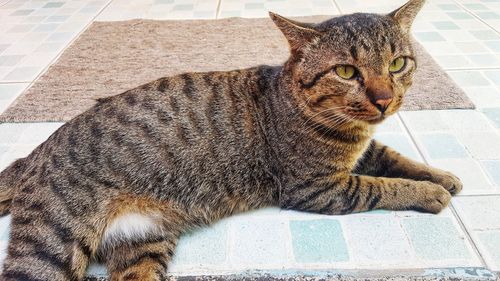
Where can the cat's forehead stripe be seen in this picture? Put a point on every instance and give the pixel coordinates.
(354, 52)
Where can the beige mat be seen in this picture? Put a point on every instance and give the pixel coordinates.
(111, 57)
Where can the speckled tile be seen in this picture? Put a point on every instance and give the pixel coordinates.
(27, 26)
(482, 145)
(492, 168)
(377, 239)
(258, 243)
(442, 146)
(202, 247)
(9, 92)
(479, 212)
(401, 143)
(318, 241)
(251, 8)
(160, 10)
(33, 33)
(436, 238)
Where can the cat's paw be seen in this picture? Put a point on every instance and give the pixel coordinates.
(447, 180)
(432, 198)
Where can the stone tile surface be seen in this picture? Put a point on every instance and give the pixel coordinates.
(318, 241)
(464, 38)
(436, 238)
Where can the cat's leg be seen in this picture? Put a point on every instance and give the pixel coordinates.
(141, 261)
(42, 247)
(353, 193)
(140, 237)
(381, 161)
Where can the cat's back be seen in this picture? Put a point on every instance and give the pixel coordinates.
(194, 129)
(191, 111)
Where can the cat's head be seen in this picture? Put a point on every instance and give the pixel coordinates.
(352, 67)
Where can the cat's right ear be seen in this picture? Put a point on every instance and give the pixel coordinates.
(298, 34)
(407, 13)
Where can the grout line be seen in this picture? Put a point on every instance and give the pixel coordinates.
(15, 82)
(452, 208)
(472, 68)
(6, 2)
(217, 10)
(476, 16)
(478, 195)
(337, 6)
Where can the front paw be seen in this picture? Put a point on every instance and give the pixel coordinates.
(447, 180)
(431, 198)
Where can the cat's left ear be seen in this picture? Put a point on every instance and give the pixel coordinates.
(298, 34)
(407, 13)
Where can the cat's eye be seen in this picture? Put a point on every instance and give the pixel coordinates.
(345, 71)
(397, 65)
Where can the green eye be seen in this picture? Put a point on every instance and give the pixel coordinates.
(345, 71)
(397, 65)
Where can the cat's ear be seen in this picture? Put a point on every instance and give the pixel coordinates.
(298, 34)
(407, 13)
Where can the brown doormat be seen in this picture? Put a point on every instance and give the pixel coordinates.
(112, 57)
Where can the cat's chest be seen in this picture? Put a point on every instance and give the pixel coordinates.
(345, 156)
(320, 158)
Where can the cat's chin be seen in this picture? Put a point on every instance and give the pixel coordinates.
(376, 121)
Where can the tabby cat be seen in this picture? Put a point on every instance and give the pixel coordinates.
(122, 181)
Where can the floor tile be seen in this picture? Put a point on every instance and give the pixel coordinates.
(429, 36)
(4, 230)
(318, 241)
(175, 9)
(436, 238)
(453, 61)
(206, 246)
(424, 121)
(37, 133)
(494, 76)
(493, 114)
(15, 152)
(258, 242)
(469, 78)
(391, 125)
(482, 145)
(492, 168)
(11, 132)
(27, 133)
(31, 25)
(22, 74)
(377, 240)
(97, 270)
(471, 174)
(9, 92)
(465, 120)
(251, 8)
(484, 97)
(32, 33)
(442, 146)
(489, 245)
(399, 142)
(479, 212)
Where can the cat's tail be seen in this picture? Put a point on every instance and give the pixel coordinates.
(8, 179)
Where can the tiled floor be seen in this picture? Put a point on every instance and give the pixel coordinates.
(462, 35)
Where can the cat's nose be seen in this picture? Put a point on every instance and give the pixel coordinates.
(382, 104)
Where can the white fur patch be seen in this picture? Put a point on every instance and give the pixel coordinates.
(131, 227)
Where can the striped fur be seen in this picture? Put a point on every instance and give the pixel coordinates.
(121, 182)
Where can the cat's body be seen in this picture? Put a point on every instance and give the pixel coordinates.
(122, 181)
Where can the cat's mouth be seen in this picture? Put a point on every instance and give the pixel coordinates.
(377, 120)
(371, 119)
